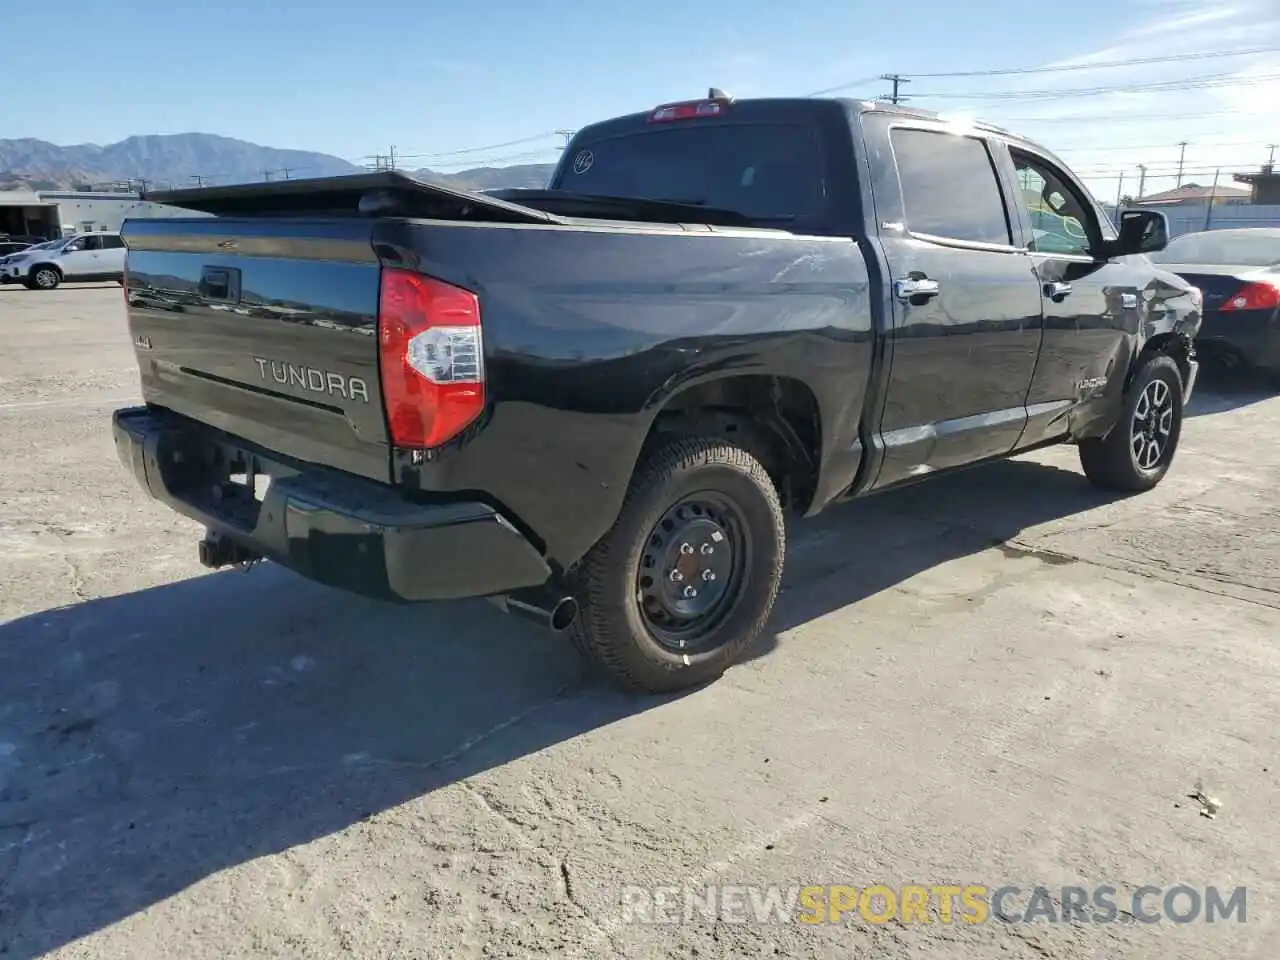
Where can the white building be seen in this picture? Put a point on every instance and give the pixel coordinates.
(91, 212)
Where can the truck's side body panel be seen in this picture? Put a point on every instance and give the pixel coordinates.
(589, 331)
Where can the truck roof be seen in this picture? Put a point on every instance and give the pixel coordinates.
(762, 107)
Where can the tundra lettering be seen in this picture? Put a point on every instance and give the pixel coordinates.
(310, 378)
(597, 404)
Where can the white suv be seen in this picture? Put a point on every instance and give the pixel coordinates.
(83, 258)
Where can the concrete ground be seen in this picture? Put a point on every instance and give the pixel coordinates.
(999, 678)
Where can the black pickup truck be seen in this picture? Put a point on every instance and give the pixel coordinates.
(595, 403)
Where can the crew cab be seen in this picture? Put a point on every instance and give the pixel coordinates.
(596, 404)
(83, 258)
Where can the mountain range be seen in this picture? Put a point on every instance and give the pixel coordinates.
(182, 160)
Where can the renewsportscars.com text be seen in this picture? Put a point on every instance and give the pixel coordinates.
(933, 903)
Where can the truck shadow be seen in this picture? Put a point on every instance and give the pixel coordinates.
(150, 740)
(862, 548)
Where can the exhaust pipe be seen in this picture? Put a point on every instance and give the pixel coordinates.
(539, 605)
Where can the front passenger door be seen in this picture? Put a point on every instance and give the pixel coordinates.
(1093, 307)
(80, 257)
(966, 304)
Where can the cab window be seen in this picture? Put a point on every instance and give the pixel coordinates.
(949, 187)
(87, 242)
(1060, 220)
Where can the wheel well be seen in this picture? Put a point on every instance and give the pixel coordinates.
(1174, 345)
(776, 418)
(52, 266)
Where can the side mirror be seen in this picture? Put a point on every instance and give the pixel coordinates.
(1141, 231)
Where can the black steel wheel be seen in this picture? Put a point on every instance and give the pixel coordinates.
(687, 577)
(1138, 451)
(691, 574)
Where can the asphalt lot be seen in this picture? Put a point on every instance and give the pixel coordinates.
(996, 678)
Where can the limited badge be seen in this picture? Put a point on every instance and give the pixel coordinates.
(583, 161)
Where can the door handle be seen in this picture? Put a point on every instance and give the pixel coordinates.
(908, 290)
(1057, 291)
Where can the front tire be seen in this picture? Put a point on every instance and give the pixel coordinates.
(44, 278)
(1138, 451)
(687, 577)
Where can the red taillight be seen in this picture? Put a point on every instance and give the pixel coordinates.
(689, 110)
(432, 358)
(1254, 296)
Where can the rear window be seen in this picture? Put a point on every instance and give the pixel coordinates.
(765, 171)
(1223, 249)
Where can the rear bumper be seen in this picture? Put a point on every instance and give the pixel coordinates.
(344, 531)
(1251, 336)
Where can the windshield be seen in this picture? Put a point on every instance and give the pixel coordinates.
(764, 171)
(1252, 249)
(47, 245)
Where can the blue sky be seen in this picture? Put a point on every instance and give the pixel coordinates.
(353, 78)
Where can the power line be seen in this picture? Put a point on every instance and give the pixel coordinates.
(1136, 118)
(1210, 81)
(1163, 146)
(539, 156)
(846, 86)
(1063, 68)
(1100, 65)
(484, 149)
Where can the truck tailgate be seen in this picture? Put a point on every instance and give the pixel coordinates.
(264, 328)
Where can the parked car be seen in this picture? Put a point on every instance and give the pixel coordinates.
(83, 258)
(596, 403)
(1239, 273)
(12, 246)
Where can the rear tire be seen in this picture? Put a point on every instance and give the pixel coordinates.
(1138, 451)
(701, 515)
(44, 278)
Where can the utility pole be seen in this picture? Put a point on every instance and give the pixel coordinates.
(392, 164)
(1142, 179)
(1119, 192)
(198, 179)
(1271, 158)
(567, 134)
(285, 171)
(266, 175)
(896, 80)
(1182, 156)
(1213, 195)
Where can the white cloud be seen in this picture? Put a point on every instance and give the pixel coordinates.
(1106, 133)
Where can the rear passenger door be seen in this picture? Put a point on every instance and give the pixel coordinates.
(113, 254)
(965, 300)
